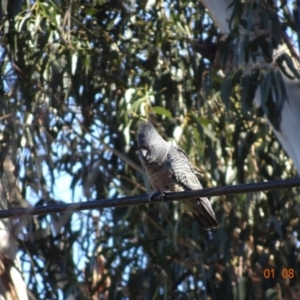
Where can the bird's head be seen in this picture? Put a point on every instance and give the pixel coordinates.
(152, 147)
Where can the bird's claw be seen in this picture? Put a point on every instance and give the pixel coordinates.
(155, 193)
(162, 196)
(152, 195)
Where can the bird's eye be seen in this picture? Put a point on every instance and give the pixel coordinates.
(144, 147)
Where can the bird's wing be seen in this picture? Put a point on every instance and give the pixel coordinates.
(185, 176)
(183, 170)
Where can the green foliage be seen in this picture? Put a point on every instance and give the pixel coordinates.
(255, 31)
(76, 79)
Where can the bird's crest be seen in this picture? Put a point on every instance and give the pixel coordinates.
(145, 127)
(146, 131)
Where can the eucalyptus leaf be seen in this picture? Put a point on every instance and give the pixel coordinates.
(162, 111)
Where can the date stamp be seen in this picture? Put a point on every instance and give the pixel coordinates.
(285, 273)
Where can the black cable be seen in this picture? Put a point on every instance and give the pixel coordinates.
(137, 200)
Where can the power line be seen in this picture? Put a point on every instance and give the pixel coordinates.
(137, 200)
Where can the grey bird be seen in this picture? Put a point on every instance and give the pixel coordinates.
(169, 169)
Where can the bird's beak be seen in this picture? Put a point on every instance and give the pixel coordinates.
(144, 152)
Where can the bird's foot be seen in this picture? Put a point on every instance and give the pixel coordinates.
(152, 195)
(161, 195)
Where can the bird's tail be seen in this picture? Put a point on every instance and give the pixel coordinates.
(203, 212)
